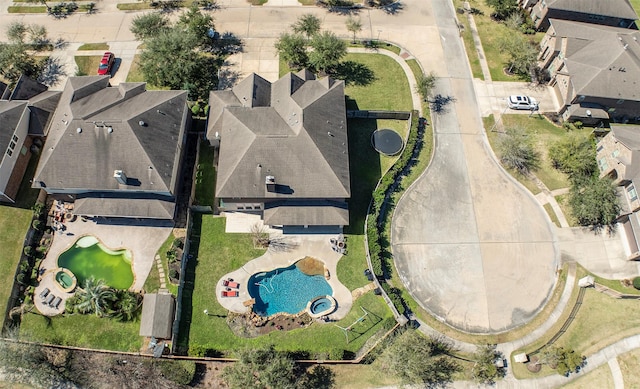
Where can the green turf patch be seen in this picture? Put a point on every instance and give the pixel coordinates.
(15, 223)
(87, 65)
(26, 9)
(94, 46)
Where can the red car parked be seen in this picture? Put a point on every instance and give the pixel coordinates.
(106, 63)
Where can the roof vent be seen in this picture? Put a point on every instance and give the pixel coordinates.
(78, 130)
(120, 177)
(588, 112)
(142, 123)
(109, 130)
(270, 182)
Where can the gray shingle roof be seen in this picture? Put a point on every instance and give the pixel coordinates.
(300, 138)
(602, 61)
(125, 207)
(614, 8)
(10, 114)
(312, 213)
(157, 315)
(96, 130)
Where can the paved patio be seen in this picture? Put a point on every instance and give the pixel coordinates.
(142, 241)
(316, 246)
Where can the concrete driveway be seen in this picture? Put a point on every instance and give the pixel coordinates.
(472, 246)
(492, 96)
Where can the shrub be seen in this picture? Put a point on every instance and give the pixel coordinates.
(388, 323)
(196, 109)
(173, 273)
(37, 225)
(28, 251)
(636, 283)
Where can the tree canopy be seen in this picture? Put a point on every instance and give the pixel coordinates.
(327, 51)
(149, 25)
(307, 24)
(293, 50)
(502, 8)
(517, 150)
(416, 359)
(486, 370)
(354, 25)
(261, 369)
(522, 53)
(574, 154)
(594, 201)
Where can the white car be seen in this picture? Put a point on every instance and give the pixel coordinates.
(522, 102)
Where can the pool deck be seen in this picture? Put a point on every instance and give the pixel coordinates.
(142, 241)
(299, 246)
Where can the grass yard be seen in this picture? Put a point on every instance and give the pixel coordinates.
(27, 9)
(491, 32)
(152, 283)
(15, 223)
(205, 176)
(598, 378)
(469, 45)
(389, 89)
(563, 202)
(220, 253)
(94, 46)
(135, 73)
(616, 285)
(82, 331)
(134, 6)
(552, 215)
(629, 363)
(636, 5)
(87, 65)
(362, 376)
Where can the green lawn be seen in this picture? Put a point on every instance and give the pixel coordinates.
(135, 74)
(134, 6)
(94, 46)
(26, 9)
(220, 253)
(14, 222)
(552, 215)
(636, 5)
(87, 65)
(388, 91)
(205, 176)
(82, 331)
(469, 45)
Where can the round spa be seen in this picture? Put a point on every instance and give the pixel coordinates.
(321, 306)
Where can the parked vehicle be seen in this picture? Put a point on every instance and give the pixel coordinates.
(522, 102)
(106, 63)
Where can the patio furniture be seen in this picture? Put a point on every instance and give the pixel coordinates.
(233, 285)
(232, 293)
(56, 303)
(49, 299)
(44, 293)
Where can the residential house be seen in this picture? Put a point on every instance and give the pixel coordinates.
(24, 115)
(284, 152)
(618, 156)
(616, 13)
(115, 151)
(594, 71)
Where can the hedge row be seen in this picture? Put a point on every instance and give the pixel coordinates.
(380, 211)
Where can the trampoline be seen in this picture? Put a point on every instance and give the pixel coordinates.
(386, 141)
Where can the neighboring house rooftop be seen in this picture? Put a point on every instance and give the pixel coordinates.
(294, 130)
(629, 136)
(613, 8)
(602, 61)
(98, 129)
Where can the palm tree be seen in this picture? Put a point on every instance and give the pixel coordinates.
(96, 297)
(308, 24)
(126, 305)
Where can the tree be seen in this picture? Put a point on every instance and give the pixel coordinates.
(514, 21)
(485, 370)
(193, 21)
(354, 25)
(594, 201)
(522, 53)
(17, 32)
(307, 24)
(16, 61)
(502, 8)
(125, 305)
(424, 85)
(416, 359)
(517, 150)
(327, 52)
(95, 297)
(574, 154)
(149, 25)
(562, 360)
(292, 48)
(260, 369)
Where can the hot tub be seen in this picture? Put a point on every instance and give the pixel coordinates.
(321, 306)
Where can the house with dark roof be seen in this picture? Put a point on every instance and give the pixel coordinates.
(615, 13)
(23, 117)
(594, 70)
(115, 151)
(618, 156)
(283, 149)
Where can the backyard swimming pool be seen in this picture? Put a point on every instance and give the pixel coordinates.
(90, 258)
(285, 290)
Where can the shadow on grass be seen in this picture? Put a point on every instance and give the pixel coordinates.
(354, 73)
(187, 291)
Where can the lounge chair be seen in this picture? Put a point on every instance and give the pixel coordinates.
(49, 299)
(233, 285)
(44, 293)
(56, 303)
(232, 293)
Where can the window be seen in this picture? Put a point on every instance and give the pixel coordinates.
(9, 152)
(602, 164)
(615, 153)
(15, 138)
(599, 149)
(620, 101)
(581, 98)
(631, 192)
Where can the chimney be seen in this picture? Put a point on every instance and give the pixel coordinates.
(120, 177)
(270, 182)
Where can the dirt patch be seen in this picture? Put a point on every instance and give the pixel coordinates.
(311, 266)
(252, 325)
(533, 365)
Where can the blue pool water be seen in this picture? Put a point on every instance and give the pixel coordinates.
(320, 305)
(285, 290)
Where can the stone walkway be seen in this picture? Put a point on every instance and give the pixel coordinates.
(163, 279)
